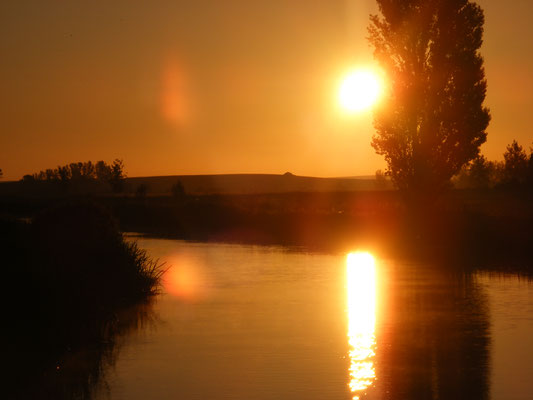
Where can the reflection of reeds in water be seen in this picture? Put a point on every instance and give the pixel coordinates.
(80, 373)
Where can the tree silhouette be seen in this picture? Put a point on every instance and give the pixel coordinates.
(177, 190)
(381, 180)
(82, 174)
(515, 164)
(479, 174)
(530, 168)
(432, 120)
(141, 190)
(1, 173)
(117, 176)
(102, 171)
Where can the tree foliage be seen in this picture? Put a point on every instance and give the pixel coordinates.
(177, 190)
(141, 191)
(117, 176)
(515, 164)
(530, 168)
(381, 179)
(515, 171)
(480, 173)
(432, 120)
(80, 172)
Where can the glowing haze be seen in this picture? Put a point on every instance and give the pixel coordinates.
(185, 87)
(360, 90)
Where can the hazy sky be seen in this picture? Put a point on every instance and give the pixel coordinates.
(216, 86)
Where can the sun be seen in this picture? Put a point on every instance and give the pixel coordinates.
(360, 90)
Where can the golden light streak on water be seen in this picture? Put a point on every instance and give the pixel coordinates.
(361, 287)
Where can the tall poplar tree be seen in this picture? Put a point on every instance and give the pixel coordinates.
(432, 120)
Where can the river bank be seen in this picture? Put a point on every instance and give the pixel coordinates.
(69, 273)
(477, 227)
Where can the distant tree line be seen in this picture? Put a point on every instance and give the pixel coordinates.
(82, 172)
(515, 171)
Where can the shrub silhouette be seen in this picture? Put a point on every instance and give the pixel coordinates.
(84, 261)
(515, 165)
(141, 191)
(77, 272)
(177, 190)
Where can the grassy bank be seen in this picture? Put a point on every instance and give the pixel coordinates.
(475, 226)
(68, 274)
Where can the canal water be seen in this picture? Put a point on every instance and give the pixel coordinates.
(254, 322)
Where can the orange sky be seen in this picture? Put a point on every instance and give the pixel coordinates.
(200, 87)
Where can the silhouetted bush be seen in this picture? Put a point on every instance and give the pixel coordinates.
(141, 190)
(381, 180)
(76, 269)
(177, 190)
(514, 172)
(479, 174)
(69, 273)
(84, 257)
(530, 170)
(515, 165)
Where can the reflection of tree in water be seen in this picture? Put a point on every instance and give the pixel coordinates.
(81, 372)
(435, 338)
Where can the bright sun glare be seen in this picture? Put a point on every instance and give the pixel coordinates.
(361, 287)
(360, 90)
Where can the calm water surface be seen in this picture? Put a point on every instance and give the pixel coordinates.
(249, 322)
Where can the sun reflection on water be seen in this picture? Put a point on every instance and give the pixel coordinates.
(361, 287)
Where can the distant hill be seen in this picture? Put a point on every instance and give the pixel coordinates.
(220, 184)
(253, 183)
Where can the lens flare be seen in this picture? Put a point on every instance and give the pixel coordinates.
(185, 279)
(174, 96)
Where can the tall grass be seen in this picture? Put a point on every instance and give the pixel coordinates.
(81, 256)
(147, 270)
(66, 277)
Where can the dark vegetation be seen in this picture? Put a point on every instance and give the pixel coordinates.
(432, 120)
(471, 227)
(77, 178)
(480, 224)
(515, 172)
(474, 226)
(194, 184)
(429, 128)
(73, 276)
(70, 273)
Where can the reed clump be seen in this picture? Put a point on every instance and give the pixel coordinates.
(81, 257)
(68, 273)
